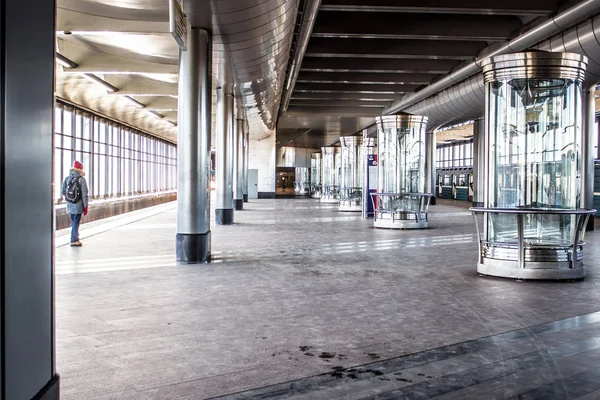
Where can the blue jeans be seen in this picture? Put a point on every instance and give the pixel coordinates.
(75, 220)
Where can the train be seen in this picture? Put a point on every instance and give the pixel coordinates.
(455, 184)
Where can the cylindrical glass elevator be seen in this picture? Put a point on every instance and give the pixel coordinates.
(400, 201)
(315, 176)
(351, 173)
(302, 181)
(533, 224)
(330, 175)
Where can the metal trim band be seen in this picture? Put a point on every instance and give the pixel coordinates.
(401, 121)
(351, 140)
(535, 65)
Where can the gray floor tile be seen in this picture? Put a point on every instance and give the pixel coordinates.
(292, 274)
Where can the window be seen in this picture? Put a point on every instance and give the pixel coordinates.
(117, 160)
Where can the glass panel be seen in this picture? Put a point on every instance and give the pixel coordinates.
(87, 127)
(535, 150)
(101, 174)
(67, 129)
(67, 160)
(58, 174)
(115, 175)
(402, 161)
(58, 119)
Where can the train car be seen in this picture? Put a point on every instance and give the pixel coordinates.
(455, 184)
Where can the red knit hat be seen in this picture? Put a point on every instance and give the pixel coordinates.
(78, 165)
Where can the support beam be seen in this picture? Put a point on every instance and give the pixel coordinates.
(238, 148)
(486, 7)
(339, 103)
(246, 154)
(74, 21)
(27, 316)
(356, 87)
(337, 112)
(96, 62)
(160, 104)
(193, 155)
(364, 78)
(224, 152)
(479, 148)
(487, 28)
(359, 64)
(590, 133)
(431, 165)
(399, 49)
(140, 86)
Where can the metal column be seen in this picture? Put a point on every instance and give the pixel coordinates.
(224, 153)
(430, 165)
(245, 166)
(27, 316)
(478, 160)
(587, 151)
(238, 160)
(193, 156)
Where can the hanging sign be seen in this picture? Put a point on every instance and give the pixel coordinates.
(178, 24)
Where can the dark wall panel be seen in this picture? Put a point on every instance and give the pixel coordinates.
(27, 213)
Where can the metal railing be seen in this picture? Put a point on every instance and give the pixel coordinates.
(396, 207)
(576, 240)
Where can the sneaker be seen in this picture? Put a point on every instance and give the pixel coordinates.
(76, 244)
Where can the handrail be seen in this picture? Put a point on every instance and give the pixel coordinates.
(402, 194)
(583, 214)
(424, 199)
(546, 211)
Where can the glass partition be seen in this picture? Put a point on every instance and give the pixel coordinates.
(315, 175)
(330, 175)
(351, 173)
(302, 182)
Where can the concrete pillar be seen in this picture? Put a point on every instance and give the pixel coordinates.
(245, 166)
(27, 337)
(238, 170)
(193, 156)
(224, 152)
(587, 151)
(431, 165)
(479, 148)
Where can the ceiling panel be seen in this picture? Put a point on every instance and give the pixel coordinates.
(366, 54)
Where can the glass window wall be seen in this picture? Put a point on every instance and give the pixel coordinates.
(455, 155)
(118, 160)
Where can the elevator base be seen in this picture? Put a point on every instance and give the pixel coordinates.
(329, 200)
(350, 206)
(192, 248)
(400, 220)
(540, 261)
(509, 269)
(400, 224)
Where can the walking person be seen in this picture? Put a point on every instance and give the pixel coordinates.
(75, 192)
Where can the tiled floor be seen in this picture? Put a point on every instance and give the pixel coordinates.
(322, 306)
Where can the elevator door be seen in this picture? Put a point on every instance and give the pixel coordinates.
(253, 184)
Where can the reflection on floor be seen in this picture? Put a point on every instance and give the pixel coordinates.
(304, 302)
